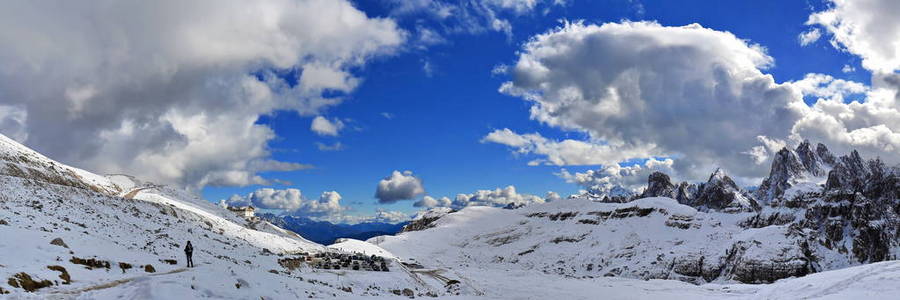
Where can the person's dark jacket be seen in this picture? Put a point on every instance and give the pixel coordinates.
(188, 249)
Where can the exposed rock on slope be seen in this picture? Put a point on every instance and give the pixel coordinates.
(793, 167)
(425, 220)
(720, 193)
(659, 185)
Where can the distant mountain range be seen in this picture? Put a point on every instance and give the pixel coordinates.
(324, 232)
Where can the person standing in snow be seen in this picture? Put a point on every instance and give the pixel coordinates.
(189, 251)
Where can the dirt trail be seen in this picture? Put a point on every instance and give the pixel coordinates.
(134, 192)
(113, 283)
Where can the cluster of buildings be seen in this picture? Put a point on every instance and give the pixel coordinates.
(337, 261)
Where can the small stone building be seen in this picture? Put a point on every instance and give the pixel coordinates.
(248, 212)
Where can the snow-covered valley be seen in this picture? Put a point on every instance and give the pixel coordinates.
(70, 234)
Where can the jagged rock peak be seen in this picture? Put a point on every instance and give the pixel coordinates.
(659, 185)
(809, 159)
(849, 173)
(790, 167)
(824, 154)
(720, 176)
(721, 193)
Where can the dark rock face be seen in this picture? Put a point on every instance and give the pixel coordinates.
(659, 185)
(849, 174)
(686, 193)
(825, 155)
(809, 159)
(722, 194)
(420, 224)
(788, 167)
(785, 167)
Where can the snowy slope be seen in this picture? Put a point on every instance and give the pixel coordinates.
(650, 238)
(127, 225)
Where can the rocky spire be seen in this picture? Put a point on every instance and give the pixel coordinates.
(824, 155)
(785, 167)
(659, 185)
(721, 193)
(809, 159)
(849, 174)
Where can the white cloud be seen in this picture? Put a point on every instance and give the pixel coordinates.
(13, 120)
(500, 69)
(826, 86)
(163, 91)
(566, 152)
(809, 37)
(848, 69)
(399, 186)
(291, 201)
(429, 202)
(337, 146)
(641, 90)
(427, 68)
(329, 204)
(632, 178)
(322, 126)
(761, 154)
(268, 198)
(867, 28)
(470, 16)
(695, 95)
(498, 198)
(387, 115)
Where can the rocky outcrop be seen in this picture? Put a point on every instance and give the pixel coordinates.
(720, 193)
(425, 220)
(790, 167)
(849, 174)
(659, 185)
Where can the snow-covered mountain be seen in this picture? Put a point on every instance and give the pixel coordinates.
(71, 234)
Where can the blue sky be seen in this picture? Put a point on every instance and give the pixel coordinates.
(443, 103)
(440, 118)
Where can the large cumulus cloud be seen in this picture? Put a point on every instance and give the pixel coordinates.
(172, 90)
(697, 96)
(648, 90)
(399, 186)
